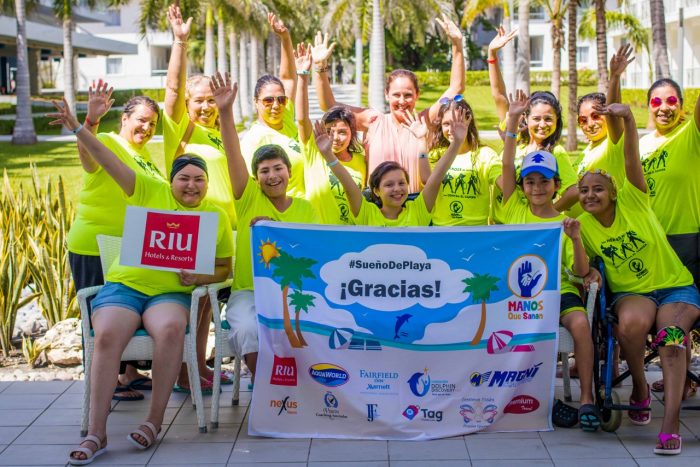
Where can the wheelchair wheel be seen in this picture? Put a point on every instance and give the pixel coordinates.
(610, 419)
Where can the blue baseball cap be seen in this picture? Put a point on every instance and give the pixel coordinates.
(541, 162)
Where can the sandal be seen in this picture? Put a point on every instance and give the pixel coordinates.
(225, 379)
(206, 386)
(665, 438)
(150, 439)
(690, 388)
(641, 417)
(90, 455)
(142, 384)
(564, 416)
(589, 417)
(119, 394)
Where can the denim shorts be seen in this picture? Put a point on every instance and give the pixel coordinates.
(119, 295)
(688, 294)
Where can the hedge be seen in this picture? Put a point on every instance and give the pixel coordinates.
(481, 78)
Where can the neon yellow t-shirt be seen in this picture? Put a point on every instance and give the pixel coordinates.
(517, 211)
(566, 175)
(288, 138)
(150, 193)
(464, 197)
(672, 169)
(323, 189)
(604, 156)
(414, 214)
(100, 208)
(207, 144)
(634, 249)
(253, 203)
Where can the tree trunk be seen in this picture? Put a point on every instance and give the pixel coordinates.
(261, 57)
(68, 67)
(557, 30)
(243, 83)
(235, 78)
(662, 69)
(482, 325)
(221, 64)
(376, 59)
(601, 45)
(270, 54)
(359, 63)
(23, 132)
(254, 60)
(209, 60)
(571, 124)
(522, 61)
(286, 319)
(297, 327)
(508, 52)
(33, 57)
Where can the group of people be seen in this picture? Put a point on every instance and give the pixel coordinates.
(637, 210)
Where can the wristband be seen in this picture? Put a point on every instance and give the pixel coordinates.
(510, 134)
(422, 156)
(302, 72)
(90, 122)
(77, 129)
(322, 69)
(179, 42)
(492, 60)
(333, 163)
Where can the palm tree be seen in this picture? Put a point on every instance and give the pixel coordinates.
(290, 271)
(244, 81)
(300, 301)
(662, 68)
(601, 44)
(522, 60)
(556, 10)
(23, 132)
(377, 62)
(221, 64)
(233, 56)
(480, 286)
(573, 76)
(209, 55)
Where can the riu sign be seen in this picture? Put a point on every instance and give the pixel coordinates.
(169, 240)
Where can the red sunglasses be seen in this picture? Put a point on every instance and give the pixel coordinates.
(594, 118)
(657, 101)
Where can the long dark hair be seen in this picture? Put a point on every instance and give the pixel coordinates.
(375, 178)
(341, 113)
(544, 97)
(438, 140)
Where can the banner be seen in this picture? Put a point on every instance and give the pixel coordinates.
(412, 333)
(169, 240)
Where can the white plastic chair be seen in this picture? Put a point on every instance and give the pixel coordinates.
(141, 345)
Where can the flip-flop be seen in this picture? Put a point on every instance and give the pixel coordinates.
(665, 438)
(589, 417)
(123, 398)
(225, 379)
(564, 416)
(640, 417)
(206, 386)
(142, 384)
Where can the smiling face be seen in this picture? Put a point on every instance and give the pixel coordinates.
(200, 104)
(270, 105)
(541, 122)
(538, 189)
(402, 97)
(392, 189)
(138, 127)
(667, 114)
(592, 124)
(596, 194)
(273, 177)
(340, 134)
(189, 186)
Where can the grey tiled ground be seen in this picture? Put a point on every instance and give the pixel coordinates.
(39, 425)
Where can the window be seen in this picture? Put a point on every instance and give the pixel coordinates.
(536, 50)
(114, 65)
(582, 54)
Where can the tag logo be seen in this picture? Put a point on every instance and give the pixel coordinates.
(284, 371)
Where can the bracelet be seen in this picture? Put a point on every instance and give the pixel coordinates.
(333, 163)
(492, 60)
(422, 156)
(302, 72)
(90, 122)
(179, 42)
(322, 69)
(77, 129)
(510, 134)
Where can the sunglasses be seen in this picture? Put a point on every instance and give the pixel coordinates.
(270, 100)
(447, 100)
(594, 118)
(657, 101)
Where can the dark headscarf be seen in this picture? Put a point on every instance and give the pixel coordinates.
(185, 160)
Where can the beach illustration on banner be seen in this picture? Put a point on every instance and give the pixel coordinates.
(437, 296)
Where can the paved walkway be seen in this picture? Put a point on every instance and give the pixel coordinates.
(39, 424)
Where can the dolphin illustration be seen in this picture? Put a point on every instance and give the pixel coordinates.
(400, 320)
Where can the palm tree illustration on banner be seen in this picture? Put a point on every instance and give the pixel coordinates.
(480, 286)
(290, 271)
(300, 301)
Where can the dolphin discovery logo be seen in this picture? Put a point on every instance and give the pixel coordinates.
(329, 374)
(419, 383)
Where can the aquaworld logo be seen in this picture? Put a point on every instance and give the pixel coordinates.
(329, 374)
(505, 378)
(284, 371)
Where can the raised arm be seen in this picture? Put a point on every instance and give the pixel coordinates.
(302, 57)
(517, 107)
(572, 228)
(174, 104)
(498, 86)
(224, 96)
(118, 170)
(99, 102)
(458, 129)
(288, 72)
(633, 164)
(352, 192)
(457, 72)
(618, 64)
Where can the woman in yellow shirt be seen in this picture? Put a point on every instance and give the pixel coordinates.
(651, 287)
(133, 297)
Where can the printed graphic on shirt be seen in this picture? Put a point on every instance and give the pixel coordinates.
(653, 164)
(339, 194)
(148, 166)
(216, 141)
(623, 249)
(460, 184)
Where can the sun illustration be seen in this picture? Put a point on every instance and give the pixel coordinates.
(268, 251)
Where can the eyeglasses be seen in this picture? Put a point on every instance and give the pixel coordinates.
(269, 101)
(582, 120)
(447, 100)
(657, 101)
